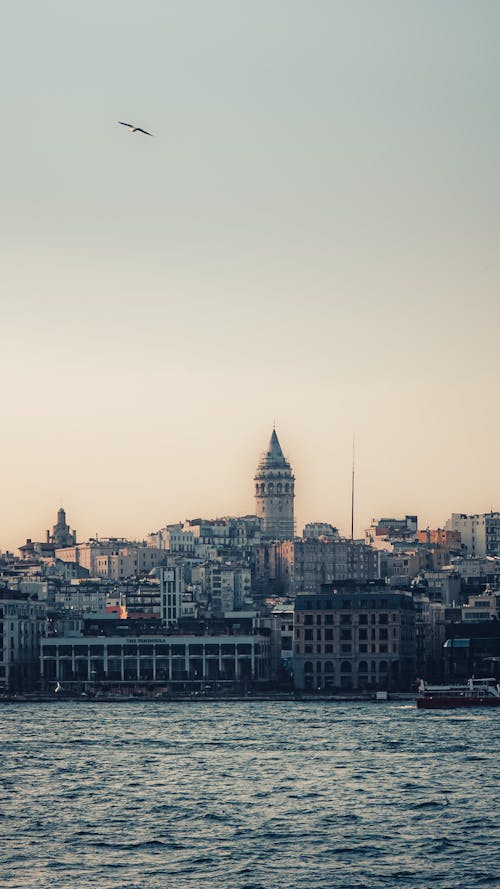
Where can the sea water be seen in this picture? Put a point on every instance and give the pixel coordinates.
(247, 795)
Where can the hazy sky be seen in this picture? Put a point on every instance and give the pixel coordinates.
(312, 237)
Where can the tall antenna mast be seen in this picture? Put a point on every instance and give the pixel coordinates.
(352, 492)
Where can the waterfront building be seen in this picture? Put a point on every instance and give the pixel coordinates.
(430, 635)
(281, 623)
(357, 636)
(22, 622)
(472, 648)
(275, 492)
(161, 659)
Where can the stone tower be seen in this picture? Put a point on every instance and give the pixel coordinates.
(61, 533)
(274, 493)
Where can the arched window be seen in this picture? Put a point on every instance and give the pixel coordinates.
(383, 667)
(287, 486)
(328, 667)
(270, 488)
(374, 667)
(363, 667)
(318, 668)
(345, 667)
(308, 667)
(262, 489)
(278, 488)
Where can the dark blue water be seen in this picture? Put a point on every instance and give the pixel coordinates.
(247, 795)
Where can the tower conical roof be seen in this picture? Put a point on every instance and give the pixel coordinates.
(273, 458)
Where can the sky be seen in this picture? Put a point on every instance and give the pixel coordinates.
(310, 239)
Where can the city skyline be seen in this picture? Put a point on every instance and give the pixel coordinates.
(311, 237)
(299, 523)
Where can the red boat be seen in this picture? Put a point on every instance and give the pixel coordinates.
(475, 693)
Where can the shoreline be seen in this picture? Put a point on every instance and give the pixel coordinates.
(392, 697)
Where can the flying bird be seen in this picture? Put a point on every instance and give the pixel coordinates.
(134, 129)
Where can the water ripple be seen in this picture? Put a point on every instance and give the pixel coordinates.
(247, 795)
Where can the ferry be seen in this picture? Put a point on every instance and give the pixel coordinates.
(474, 693)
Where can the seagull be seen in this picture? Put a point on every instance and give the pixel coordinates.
(134, 129)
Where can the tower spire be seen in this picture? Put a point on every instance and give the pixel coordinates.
(274, 492)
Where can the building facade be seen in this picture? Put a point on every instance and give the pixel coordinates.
(160, 659)
(304, 565)
(275, 492)
(22, 622)
(354, 639)
(480, 534)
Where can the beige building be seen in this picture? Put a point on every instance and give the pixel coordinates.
(113, 558)
(307, 564)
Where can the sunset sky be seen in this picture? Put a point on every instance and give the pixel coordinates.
(311, 238)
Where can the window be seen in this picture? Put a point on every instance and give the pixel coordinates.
(329, 634)
(308, 634)
(345, 619)
(363, 619)
(363, 634)
(346, 635)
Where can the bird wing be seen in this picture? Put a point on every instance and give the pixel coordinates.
(131, 125)
(140, 130)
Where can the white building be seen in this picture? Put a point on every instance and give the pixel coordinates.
(171, 594)
(160, 659)
(484, 607)
(480, 533)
